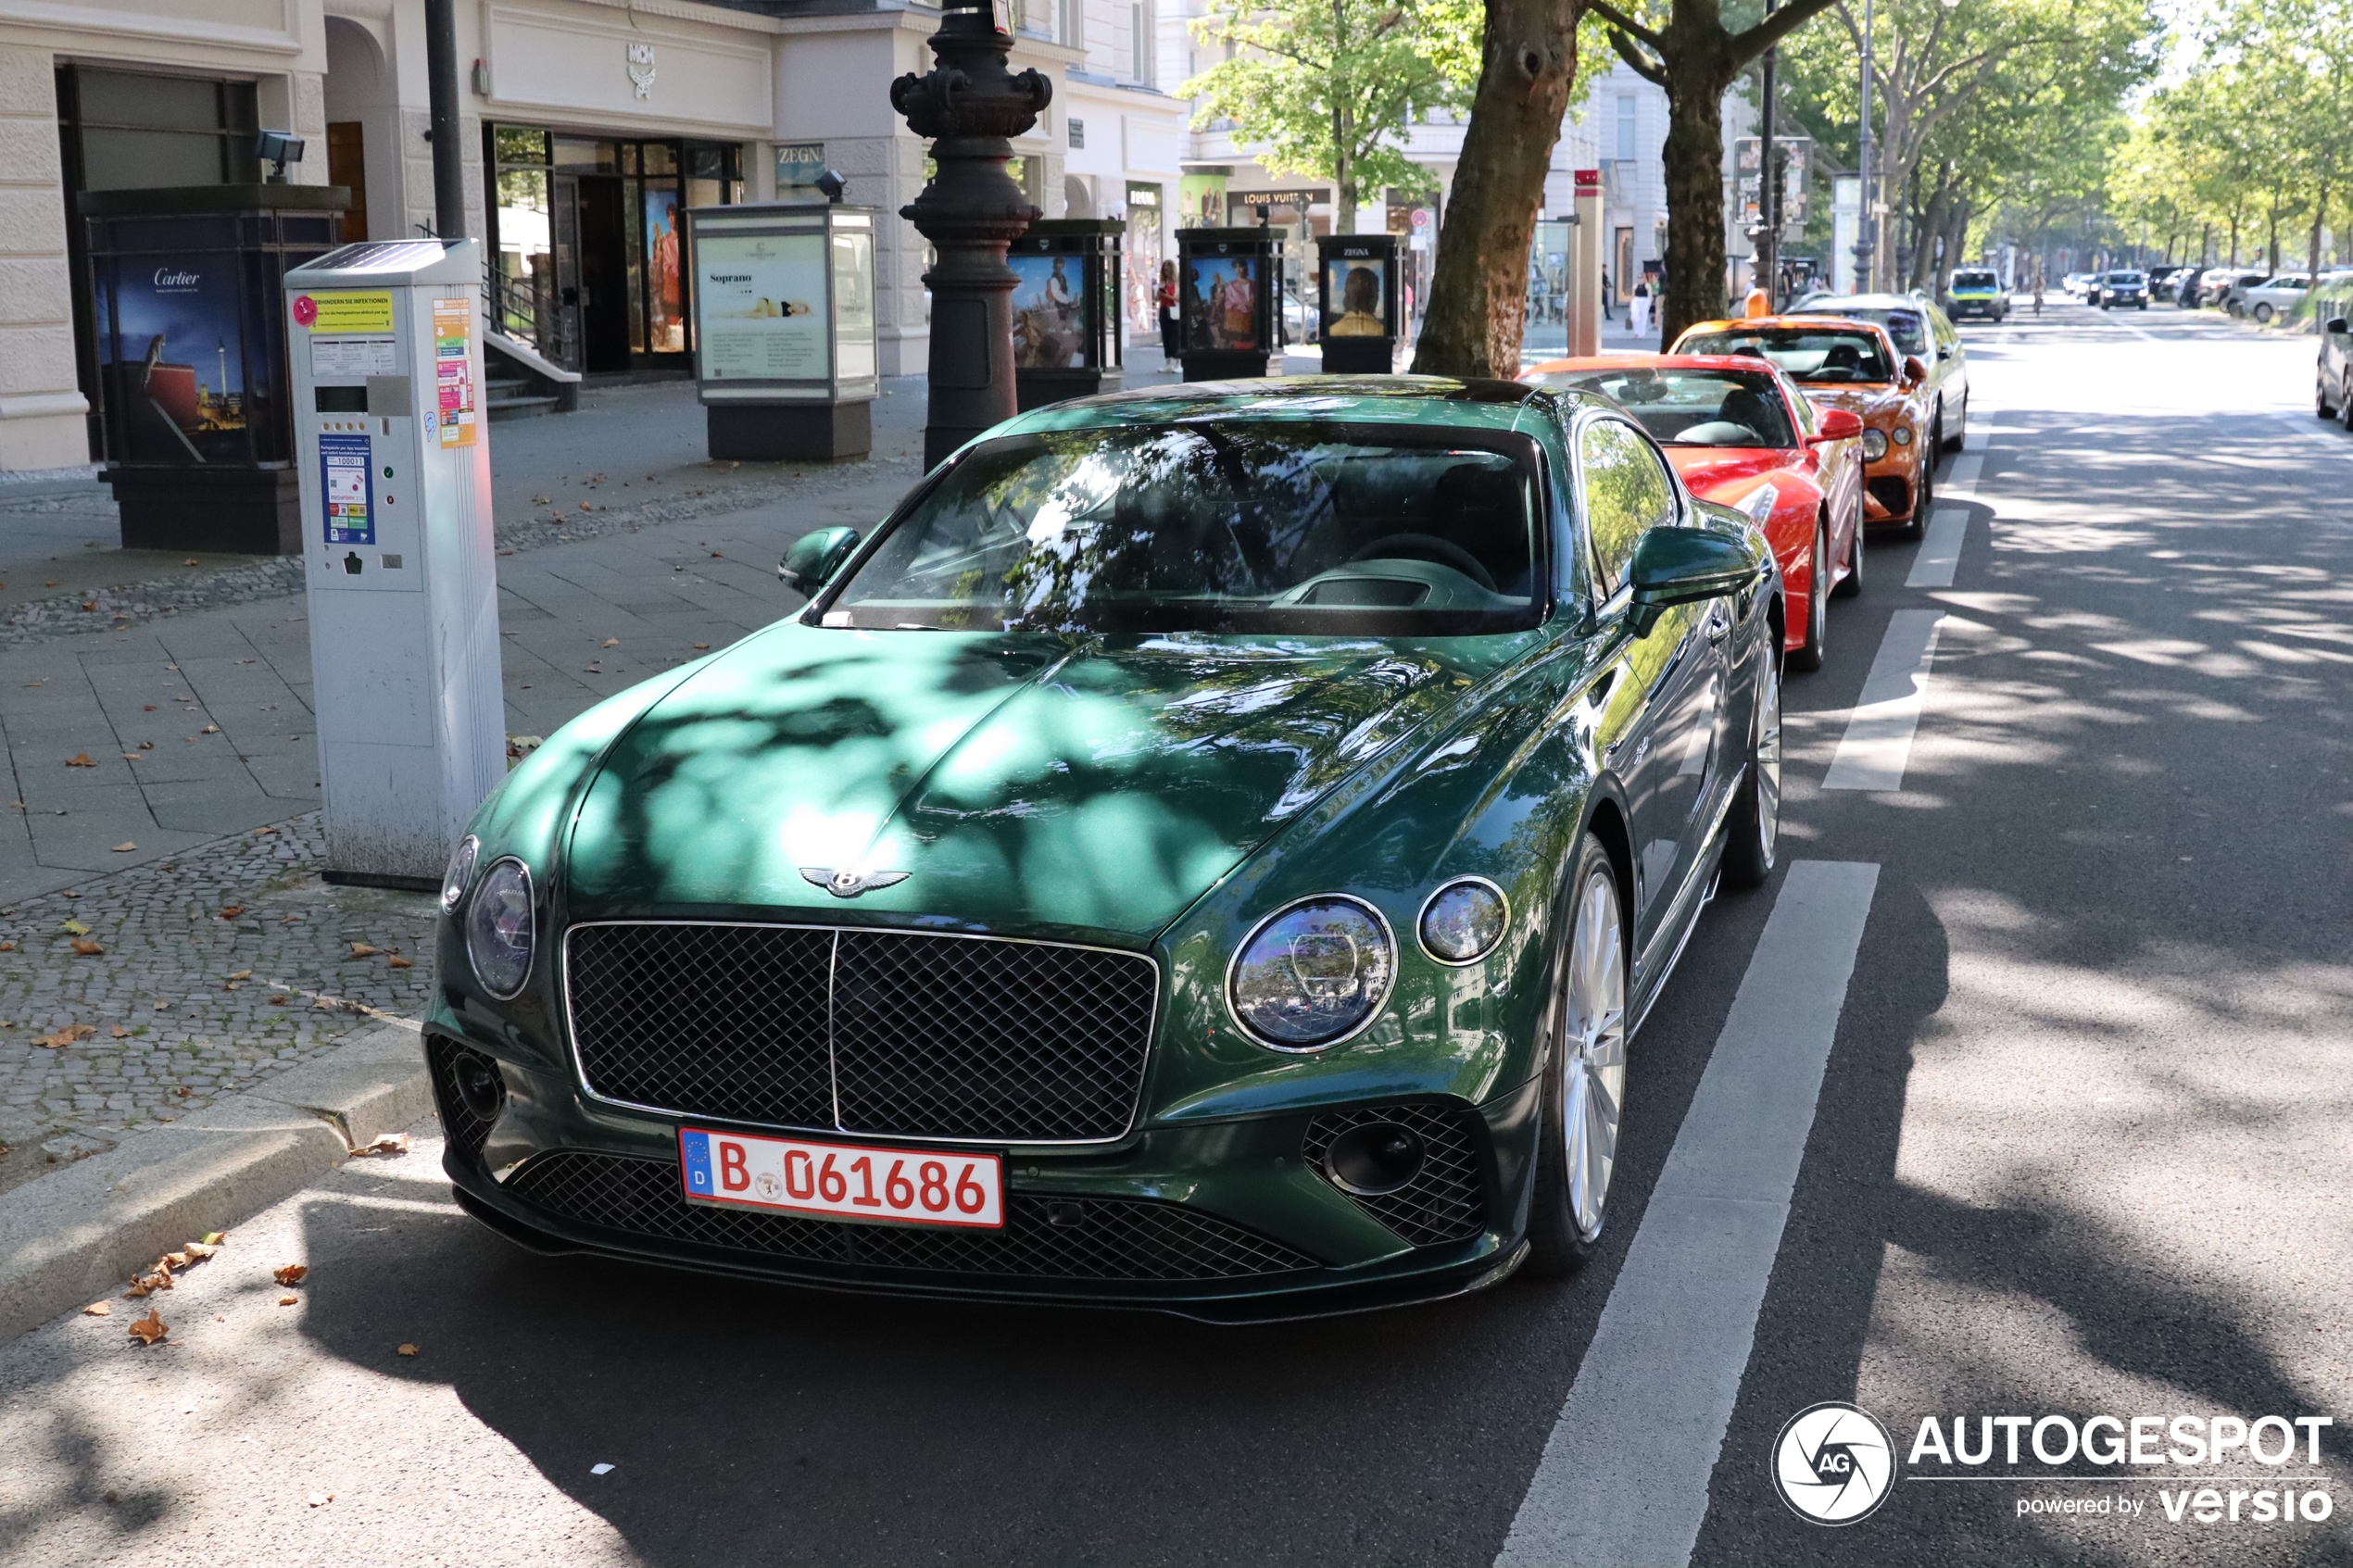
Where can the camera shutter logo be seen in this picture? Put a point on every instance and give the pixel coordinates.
(1833, 1463)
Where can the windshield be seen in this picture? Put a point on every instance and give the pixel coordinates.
(2124, 278)
(1216, 526)
(1909, 328)
(1693, 407)
(1974, 281)
(1822, 355)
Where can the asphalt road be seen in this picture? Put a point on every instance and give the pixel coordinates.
(2080, 1146)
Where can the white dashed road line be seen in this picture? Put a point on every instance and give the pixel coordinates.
(1941, 550)
(1878, 743)
(1623, 1483)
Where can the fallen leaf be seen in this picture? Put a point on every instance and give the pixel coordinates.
(248, 661)
(321, 1500)
(84, 947)
(132, 756)
(74, 928)
(66, 1036)
(79, 760)
(288, 1300)
(233, 911)
(53, 582)
(397, 961)
(182, 1091)
(97, 1308)
(215, 1238)
(292, 1274)
(406, 1350)
(612, 642)
(198, 1251)
(146, 746)
(89, 604)
(210, 730)
(190, 561)
(361, 950)
(700, 647)
(118, 1032)
(125, 847)
(150, 708)
(243, 975)
(391, 1143)
(172, 1260)
(149, 1329)
(7, 946)
(280, 1001)
(265, 832)
(716, 555)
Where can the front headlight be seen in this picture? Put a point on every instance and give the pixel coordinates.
(460, 872)
(1874, 445)
(1903, 435)
(1463, 920)
(1312, 975)
(498, 929)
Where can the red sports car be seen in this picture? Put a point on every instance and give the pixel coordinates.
(1742, 434)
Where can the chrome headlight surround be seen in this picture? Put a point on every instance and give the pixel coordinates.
(459, 874)
(1874, 444)
(1460, 885)
(493, 949)
(1374, 999)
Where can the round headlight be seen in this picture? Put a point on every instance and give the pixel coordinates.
(460, 872)
(499, 934)
(1313, 974)
(1463, 920)
(1874, 445)
(1903, 435)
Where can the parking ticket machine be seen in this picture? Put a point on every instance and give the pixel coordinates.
(385, 351)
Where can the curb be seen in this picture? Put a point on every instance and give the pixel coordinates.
(74, 1236)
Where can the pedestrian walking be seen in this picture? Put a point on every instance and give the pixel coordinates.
(1638, 313)
(1172, 342)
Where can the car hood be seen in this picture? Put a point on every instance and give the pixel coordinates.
(1864, 402)
(1021, 781)
(1711, 470)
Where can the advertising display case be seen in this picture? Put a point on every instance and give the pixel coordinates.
(1066, 309)
(1227, 282)
(1356, 303)
(784, 330)
(191, 358)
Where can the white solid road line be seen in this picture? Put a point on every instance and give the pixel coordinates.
(1623, 1483)
(1878, 735)
(1941, 550)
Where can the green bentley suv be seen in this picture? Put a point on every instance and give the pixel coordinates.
(1208, 848)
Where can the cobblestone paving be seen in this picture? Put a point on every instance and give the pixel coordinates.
(222, 966)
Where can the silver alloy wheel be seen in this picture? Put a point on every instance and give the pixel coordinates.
(1593, 1045)
(1768, 761)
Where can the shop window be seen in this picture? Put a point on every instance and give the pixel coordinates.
(130, 131)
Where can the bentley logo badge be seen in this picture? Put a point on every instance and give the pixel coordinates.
(846, 884)
(641, 68)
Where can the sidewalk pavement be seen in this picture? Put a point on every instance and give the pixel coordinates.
(165, 777)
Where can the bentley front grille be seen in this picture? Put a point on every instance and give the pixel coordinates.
(883, 1033)
(1107, 1239)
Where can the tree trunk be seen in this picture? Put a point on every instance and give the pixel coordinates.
(1695, 290)
(1930, 227)
(1479, 291)
(2319, 221)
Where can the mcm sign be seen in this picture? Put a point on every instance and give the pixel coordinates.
(641, 68)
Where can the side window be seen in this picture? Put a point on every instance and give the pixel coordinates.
(1804, 407)
(1626, 492)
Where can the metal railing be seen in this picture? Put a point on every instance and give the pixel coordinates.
(525, 307)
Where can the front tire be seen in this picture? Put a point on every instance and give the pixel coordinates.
(1806, 657)
(2263, 314)
(2345, 401)
(1923, 492)
(1584, 1075)
(1752, 832)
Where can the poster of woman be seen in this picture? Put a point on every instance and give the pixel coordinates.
(1223, 296)
(1354, 288)
(1050, 333)
(665, 294)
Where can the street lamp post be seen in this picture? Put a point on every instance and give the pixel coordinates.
(968, 105)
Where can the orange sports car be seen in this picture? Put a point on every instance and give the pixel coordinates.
(1743, 435)
(1854, 366)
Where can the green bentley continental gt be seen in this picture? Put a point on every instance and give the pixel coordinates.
(1209, 849)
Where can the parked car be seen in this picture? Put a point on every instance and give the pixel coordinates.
(2333, 379)
(2184, 285)
(1740, 433)
(1853, 365)
(2125, 286)
(1918, 327)
(2273, 297)
(2077, 284)
(1185, 857)
(1978, 291)
(2164, 279)
(2214, 288)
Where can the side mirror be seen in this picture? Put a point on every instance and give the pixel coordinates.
(1838, 424)
(1674, 566)
(2335, 327)
(814, 558)
(1914, 371)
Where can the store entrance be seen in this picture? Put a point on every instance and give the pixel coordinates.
(604, 275)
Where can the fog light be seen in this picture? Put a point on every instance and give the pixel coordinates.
(480, 1089)
(1903, 435)
(1378, 1158)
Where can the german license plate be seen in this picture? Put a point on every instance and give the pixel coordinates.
(839, 1181)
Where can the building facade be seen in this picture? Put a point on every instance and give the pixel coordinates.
(589, 128)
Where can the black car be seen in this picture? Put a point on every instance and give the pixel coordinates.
(2112, 289)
